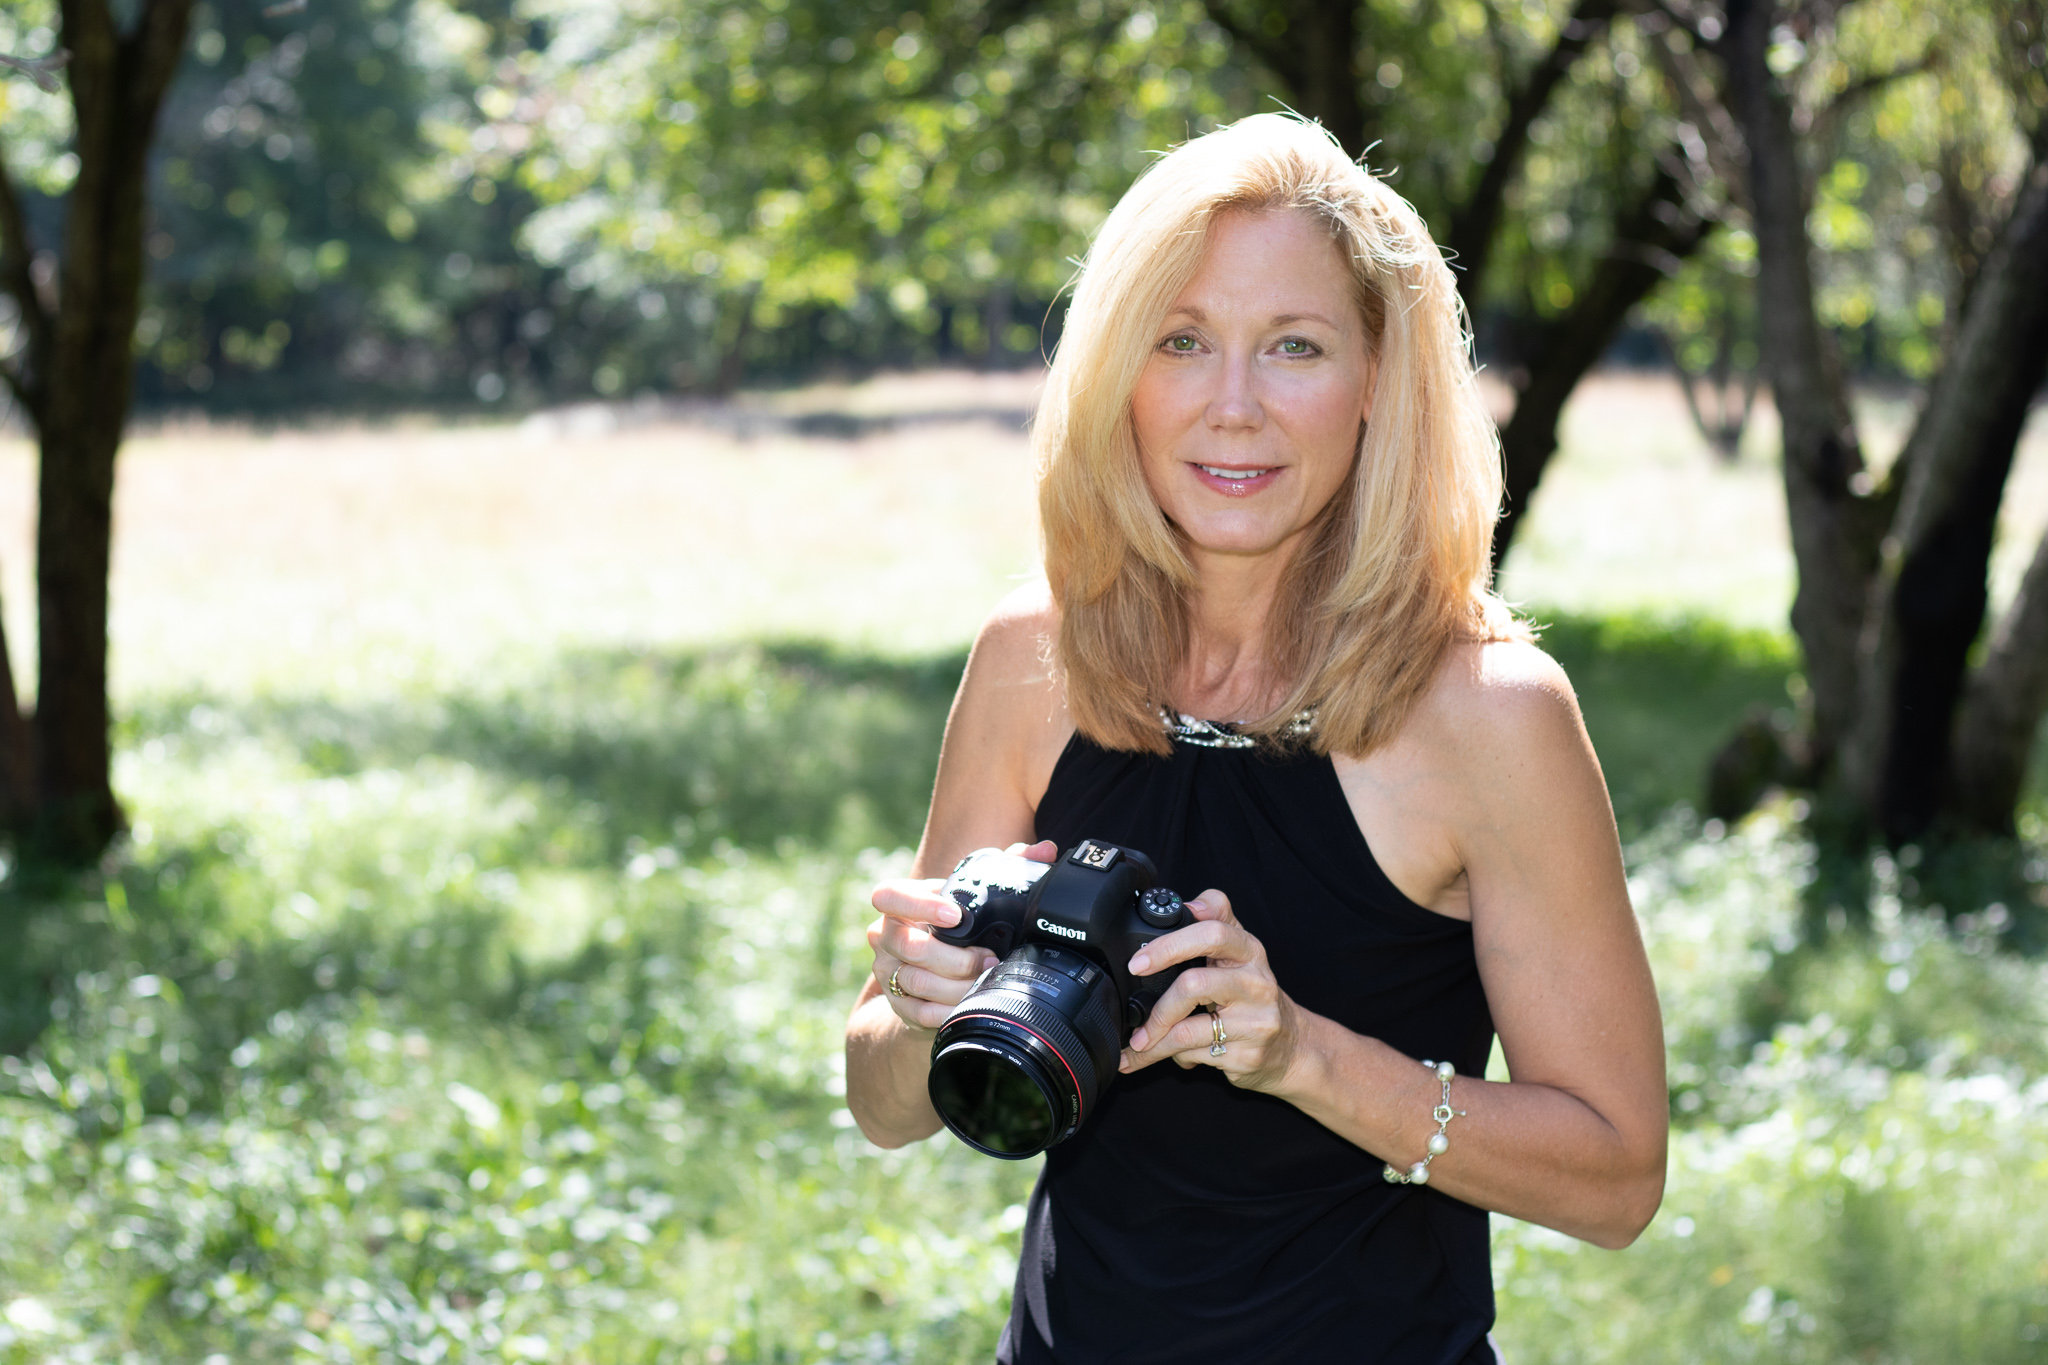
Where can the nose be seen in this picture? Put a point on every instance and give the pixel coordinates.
(1234, 403)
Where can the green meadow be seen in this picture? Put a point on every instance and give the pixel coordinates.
(505, 801)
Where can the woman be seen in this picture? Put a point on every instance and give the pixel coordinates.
(1267, 656)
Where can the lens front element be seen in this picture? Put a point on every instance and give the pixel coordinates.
(998, 1099)
(1021, 1060)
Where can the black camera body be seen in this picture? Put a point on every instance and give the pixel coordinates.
(1021, 1060)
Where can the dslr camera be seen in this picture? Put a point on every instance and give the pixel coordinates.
(1022, 1059)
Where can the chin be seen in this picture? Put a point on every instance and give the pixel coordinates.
(1249, 544)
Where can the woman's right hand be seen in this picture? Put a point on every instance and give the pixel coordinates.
(920, 975)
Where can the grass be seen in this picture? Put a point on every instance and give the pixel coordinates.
(471, 985)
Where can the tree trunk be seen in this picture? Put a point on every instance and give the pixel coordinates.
(17, 748)
(732, 356)
(76, 385)
(2002, 709)
(1316, 56)
(1656, 233)
(1835, 521)
(1326, 33)
(1892, 580)
(76, 812)
(995, 324)
(1928, 600)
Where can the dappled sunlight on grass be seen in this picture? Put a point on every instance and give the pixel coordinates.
(504, 1023)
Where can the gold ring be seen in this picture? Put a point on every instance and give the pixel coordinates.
(894, 988)
(1217, 1036)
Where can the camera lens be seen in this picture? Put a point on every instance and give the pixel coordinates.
(1021, 1060)
(1000, 1094)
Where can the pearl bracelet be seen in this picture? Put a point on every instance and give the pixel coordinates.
(1418, 1174)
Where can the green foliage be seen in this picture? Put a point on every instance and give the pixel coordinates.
(855, 163)
(1920, 115)
(37, 121)
(517, 201)
(1885, 1222)
(503, 1023)
(335, 208)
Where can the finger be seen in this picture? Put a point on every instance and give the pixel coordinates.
(928, 1016)
(1191, 991)
(1187, 1041)
(916, 944)
(1208, 938)
(916, 901)
(1212, 905)
(1044, 851)
(1137, 1061)
(917, 983)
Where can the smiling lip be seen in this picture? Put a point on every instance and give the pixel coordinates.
(1235, 481)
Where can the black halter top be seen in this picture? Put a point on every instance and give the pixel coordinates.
(1191, 1221)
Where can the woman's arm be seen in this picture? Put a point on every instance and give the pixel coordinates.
(1577, 1140)
(1005, 731)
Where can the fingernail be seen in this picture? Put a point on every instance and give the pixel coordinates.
(1139, 1041)
(1124, 1062)
(1141, 963)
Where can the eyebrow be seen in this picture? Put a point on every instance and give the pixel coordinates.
(1279, 320)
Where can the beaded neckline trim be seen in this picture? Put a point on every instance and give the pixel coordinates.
(1209, 734)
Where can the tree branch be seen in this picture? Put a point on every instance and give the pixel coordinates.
(1718, 139)
(42, 70)
(1655, 233)
(1990, 374)
(1830, 114)
(1277, 57)
(149, 54)
(1703, 29)
(1475, 222)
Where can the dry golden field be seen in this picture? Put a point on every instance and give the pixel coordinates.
(374, 556)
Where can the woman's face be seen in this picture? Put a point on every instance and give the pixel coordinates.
(1247, 414)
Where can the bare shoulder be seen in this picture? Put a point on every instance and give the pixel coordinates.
(1014, 646)
(1008, 726)
(1011, 684)
(1501, 700)
(1502, 725)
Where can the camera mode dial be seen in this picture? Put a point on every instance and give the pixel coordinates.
(1159, 908)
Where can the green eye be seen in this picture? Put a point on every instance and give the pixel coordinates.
(1295, 346)
(1182, 344)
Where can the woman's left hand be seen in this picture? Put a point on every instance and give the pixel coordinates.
(1260, 1026)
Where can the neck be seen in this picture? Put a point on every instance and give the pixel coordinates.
(1228, 672)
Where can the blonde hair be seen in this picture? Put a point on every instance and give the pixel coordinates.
(1397, 565)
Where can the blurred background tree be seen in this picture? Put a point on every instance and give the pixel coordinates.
(1907, 730)
(74, 285)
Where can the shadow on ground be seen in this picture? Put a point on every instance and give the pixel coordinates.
(764, 744)
(626, 763)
